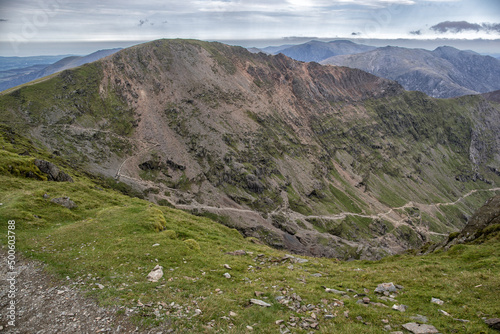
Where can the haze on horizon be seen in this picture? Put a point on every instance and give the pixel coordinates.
(73, 27)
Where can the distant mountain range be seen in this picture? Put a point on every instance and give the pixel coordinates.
(318, 51)
(445, 72)
(18, 76)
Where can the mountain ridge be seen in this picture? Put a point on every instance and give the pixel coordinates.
(318, 51)
(224, 132)
(445, 72)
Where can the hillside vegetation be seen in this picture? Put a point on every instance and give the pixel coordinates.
(109, 242)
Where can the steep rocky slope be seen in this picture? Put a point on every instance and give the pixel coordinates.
(492, 96)
(320, 160)
(445, 72)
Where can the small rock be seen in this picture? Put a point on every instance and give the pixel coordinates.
(100, 286)
(227, 275)
(279, 322)
(258, 293)
(237, 253)
(197, 312)
(386, 287)
(232, 314)
(445, 313)
(493, 323)
(259, 302)
(387, 299)
(420, 329)
(359, 318)
(329, 316)
(437, 301)
(385, 321)
(378, 304)
(227, 266)
(400, 308)
(156, 274)
(420, 318)
(65, 201)
(316, 275)
(338, 292)
(346, 314)
(250, 328)
(155, 245)
(366, 300)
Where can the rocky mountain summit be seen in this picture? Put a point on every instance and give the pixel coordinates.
(321, 160)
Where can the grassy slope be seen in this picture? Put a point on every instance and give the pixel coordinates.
(109, 238)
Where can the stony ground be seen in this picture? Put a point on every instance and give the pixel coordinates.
(46, 304)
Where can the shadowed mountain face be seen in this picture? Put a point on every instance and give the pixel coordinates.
(445, 72)
(321, 160)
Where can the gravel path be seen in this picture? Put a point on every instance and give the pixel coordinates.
(45, 304)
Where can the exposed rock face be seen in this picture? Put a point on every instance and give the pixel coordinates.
(52, 171)
(320, 160)
(483, 224)
(487, 215)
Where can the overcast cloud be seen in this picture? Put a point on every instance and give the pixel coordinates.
(24, 21)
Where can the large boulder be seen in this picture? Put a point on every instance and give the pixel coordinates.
(52, 171)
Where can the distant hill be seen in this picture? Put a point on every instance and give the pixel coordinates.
(276, 49)
(9, 63)
(318, 51)
(24, 75)
(445, 72)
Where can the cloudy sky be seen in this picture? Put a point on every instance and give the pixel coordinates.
(30, 23)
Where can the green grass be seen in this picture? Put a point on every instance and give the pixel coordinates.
(108, 239)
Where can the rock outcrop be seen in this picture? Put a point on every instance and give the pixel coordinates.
(52, 171)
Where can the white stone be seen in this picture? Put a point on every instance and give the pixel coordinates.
(437, 301)
(259, 302)
(420, 328)
(156, 274)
